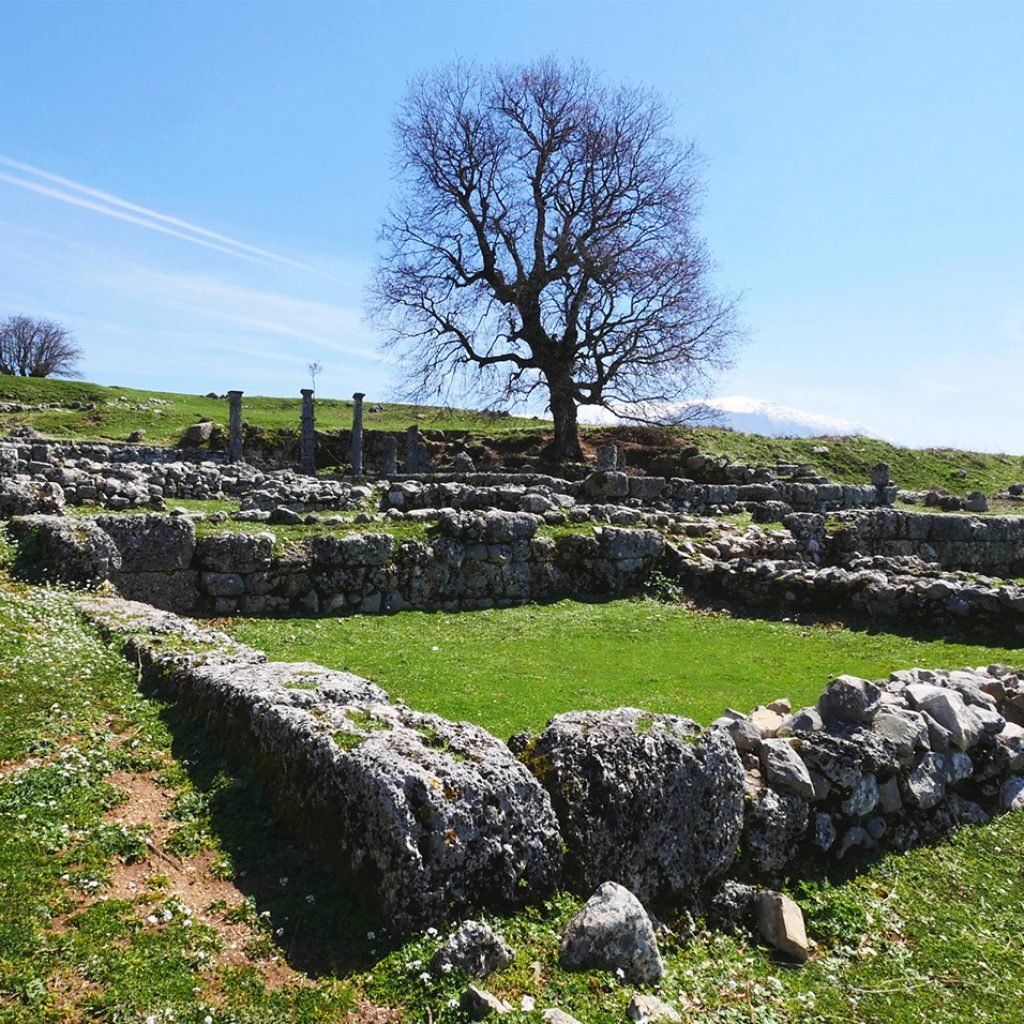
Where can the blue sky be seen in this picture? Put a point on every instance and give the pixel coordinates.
(865, 164)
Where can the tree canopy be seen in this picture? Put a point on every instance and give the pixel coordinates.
(545, 237)
(37, 348)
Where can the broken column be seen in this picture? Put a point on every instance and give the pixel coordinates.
(412, 449)
(307, 439)
(357, 434)
(607, 458)
(234, 426)
(880, 477)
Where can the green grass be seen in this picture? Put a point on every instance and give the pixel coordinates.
(511, 669)
(119, 411)
(849, 459)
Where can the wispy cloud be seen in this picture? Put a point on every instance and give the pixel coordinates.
(332, 327)
(122, 209)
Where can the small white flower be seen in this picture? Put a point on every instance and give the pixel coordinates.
(425, 977)
(207, 1019)
(620, 973)
(431, 933)
(283, 880)
(446, 968)
(311, 898)
(453, 1003)
(370, 936)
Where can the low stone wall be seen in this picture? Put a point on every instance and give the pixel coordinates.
(136, 476)
(429, 819)
(432, 819)
(884, 590)
(988, 544)
(479, 560)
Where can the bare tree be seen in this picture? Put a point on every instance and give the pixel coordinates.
(37, 348)
(545, 238)
(314, 370)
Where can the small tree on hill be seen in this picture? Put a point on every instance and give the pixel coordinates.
(37, 348)
(545, 238)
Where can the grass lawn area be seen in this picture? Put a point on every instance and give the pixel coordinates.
(511, 669)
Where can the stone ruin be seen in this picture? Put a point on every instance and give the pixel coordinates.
(436, 819)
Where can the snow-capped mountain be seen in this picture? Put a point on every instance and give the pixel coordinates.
(751, 415)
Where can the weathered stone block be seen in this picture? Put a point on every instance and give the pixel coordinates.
(649, 801)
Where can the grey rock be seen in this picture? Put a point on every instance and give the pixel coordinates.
(783, 767)
(733, 906)
(25, 498)
(863, 798)
(235, 552)
(804, 720)
(474, 948)
(613, 932)
(650, 801)
(553, 1015)
(849, 699)
(72, 551)
(745, 734)
(947, 708)
(479, 1004)
(199, 433)
(429, 817)
(967, 811)
(151, 543)
(889, 799)
(906, 730)
(1011, 794)
(648, 1009)
(926, 784)
(774, 824)
(854, 838)
(170, 591)
(824, 831)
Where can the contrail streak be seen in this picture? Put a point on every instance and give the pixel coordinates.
(147, 216)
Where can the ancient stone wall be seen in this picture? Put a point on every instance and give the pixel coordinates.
(478, 560)
(432, 819)
(988, 544)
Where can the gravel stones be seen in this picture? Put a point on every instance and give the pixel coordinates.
(612, 932)
(649, 801)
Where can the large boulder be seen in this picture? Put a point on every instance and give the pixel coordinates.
(612, 932)
(74, 551)
(151, 543)
(29, 497)
(427, 818)
(649, 801)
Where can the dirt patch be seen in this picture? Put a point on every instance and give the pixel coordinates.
(192, 880)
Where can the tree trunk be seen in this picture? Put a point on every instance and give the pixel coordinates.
(566, 445)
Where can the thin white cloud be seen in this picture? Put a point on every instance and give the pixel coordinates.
(114, 206)
(335, 328)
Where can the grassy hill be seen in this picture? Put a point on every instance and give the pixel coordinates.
(112, 413)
